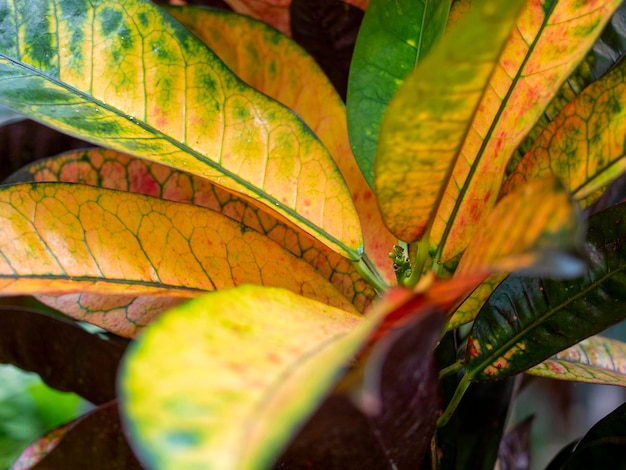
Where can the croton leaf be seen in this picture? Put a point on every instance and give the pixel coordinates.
(278, 67)
(61, 352)
(128, 76)
(393, 38)
(527, 225)
(427, 119)
(263, 347)
(57, 238)
(550, 38)
(110, 169)
(94, 441)
(594, 360)
(583, 145)
(510, 332)
(602, 447)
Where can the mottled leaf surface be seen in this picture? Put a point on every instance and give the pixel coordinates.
(584, 144)
(594, 360)
(278, 67)
(272, 357)
(428, 118)
(527, 320)
(61, 238)
(110, 169)
(548, 41)
(523, 228)
(95, 441)
(128, 76)
(393, 38)
(61, 352)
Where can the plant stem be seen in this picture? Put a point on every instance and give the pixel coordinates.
(421, 256)
(451, 369)
(369, 272)
(454, 402)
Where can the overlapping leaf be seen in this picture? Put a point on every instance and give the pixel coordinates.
(128, 76)
(584, 144)
(524, 228)
(272, 356)
(110, 169)
(594, 360)
(94, 441)
(549, 40)
(527, 320)
(428, 118)
(56, 238)
(276, 66)
(393, 38)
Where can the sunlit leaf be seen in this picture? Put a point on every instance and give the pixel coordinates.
(584, 144)
(272, 356)
(527, 320)
(594, 360)
(62, 238)
(548, 41)
(276, 66)
(93, 441)
(393, 38)
(110, 169)
(62, 353)
(137, 81)
(467, 311)
(425, 123)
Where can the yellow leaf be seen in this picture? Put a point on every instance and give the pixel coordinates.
(130, 77)
(549, 40)
(58, 238)
(278, 67)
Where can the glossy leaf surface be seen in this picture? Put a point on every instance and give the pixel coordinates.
(62, 238)
(467, 311)
(137, 81)
(61, 352)
(548, 41)
(593, 360)
(583, 145)
(272, 357)
(527, 320)
(524, 228)
(276, 66)
(393, 38)
(110, 169)
(427, 120)
(93, 441)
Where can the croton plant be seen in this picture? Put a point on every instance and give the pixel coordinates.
(303, 283)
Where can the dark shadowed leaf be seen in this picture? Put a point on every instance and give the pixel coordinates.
(514, 451)
(66, 356)
(527, 320)
(25, 141)
(94, 441)
(603, 446)
(327, 29)
(343, 436)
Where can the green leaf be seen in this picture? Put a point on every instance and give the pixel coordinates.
(130, 77)
(393, 38)
(594, 360)
(428, 118)
(527, 320)
(583, 144)
(272, 356)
